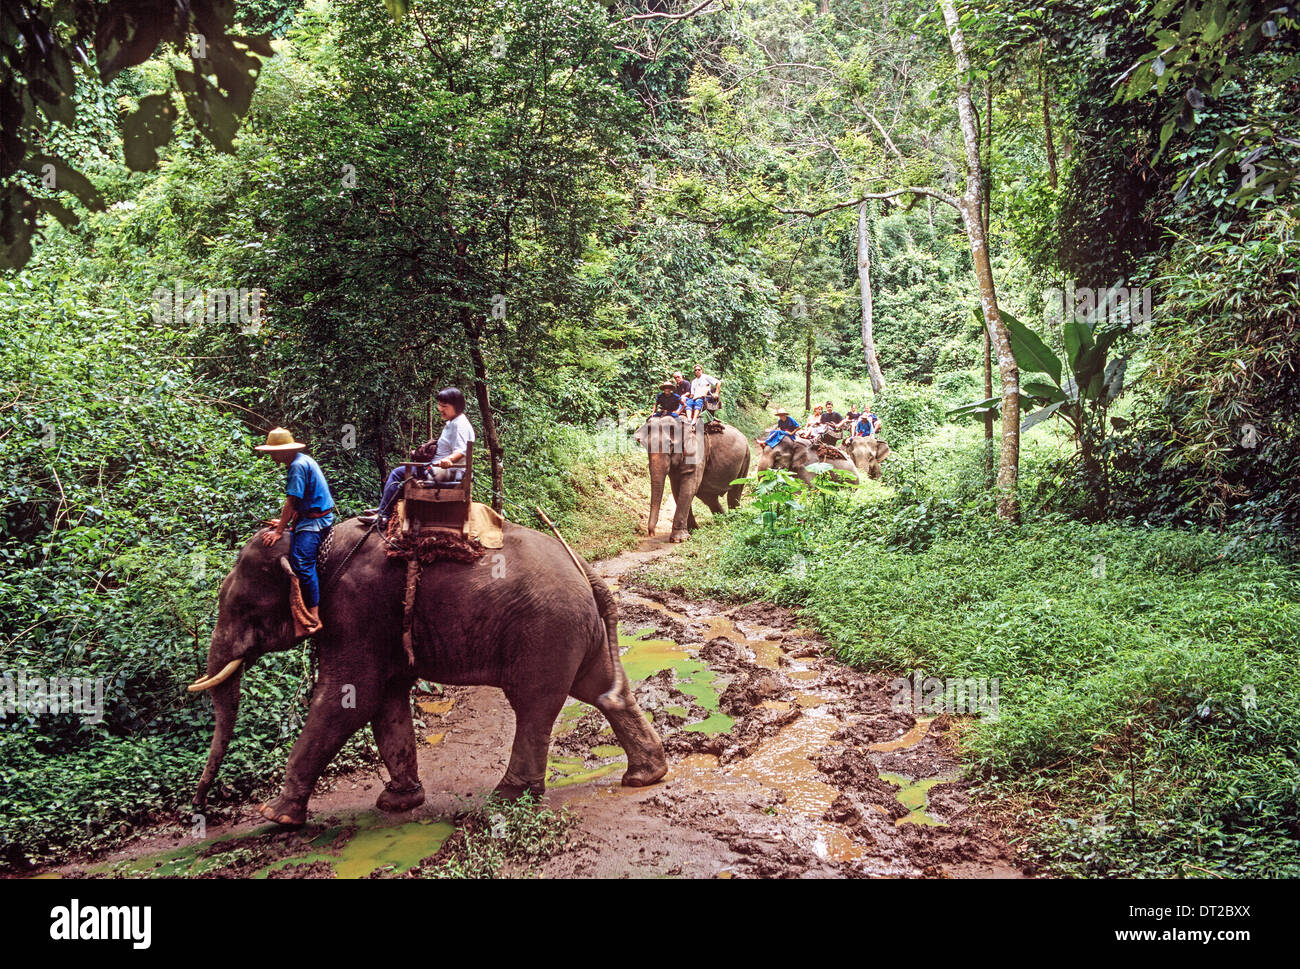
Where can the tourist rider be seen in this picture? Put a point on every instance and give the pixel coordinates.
(309, 514)
(450, 449)
(683, 387)
(813, 428)
(831, 416)
(701, 387)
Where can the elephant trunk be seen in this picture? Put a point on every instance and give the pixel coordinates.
(222, 682)
(225, 701)
(658, 471)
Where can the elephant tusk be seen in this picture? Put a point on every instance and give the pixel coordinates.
(208, 682)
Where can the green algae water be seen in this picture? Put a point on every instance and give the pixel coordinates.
(915, 796)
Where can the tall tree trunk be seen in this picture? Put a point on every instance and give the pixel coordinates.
(807, 372)
(987, 180)
(480, 382)
(1009, 462)
(864, 282)
(988, 417)
(1047, 120)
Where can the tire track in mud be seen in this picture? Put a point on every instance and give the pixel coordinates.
(783, 763)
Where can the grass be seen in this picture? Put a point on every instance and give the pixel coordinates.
(500, 838)
(1148, 703)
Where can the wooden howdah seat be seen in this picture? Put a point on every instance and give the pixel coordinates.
(429, 507)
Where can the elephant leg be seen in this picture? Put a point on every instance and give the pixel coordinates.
(646, 762)
(338, 710)
(534, 717)
(395, 737)
(712, 503)
(735, 492)
(683, 519)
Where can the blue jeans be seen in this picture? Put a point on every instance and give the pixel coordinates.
(303, 547)
(392, 487)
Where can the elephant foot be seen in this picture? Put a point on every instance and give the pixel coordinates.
(510, 791)
(396, 800)
(645, 776)
(680, 536)
(285, 812)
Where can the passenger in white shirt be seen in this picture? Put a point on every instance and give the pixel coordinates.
(701, 387)
(450, 449)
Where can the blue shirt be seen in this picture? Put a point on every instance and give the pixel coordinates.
(306, 482)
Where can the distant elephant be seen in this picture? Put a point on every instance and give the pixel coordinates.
(697, 463)
(867, 453)
(793, 454)
(524, 619)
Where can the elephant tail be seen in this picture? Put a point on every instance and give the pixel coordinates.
(607, 606)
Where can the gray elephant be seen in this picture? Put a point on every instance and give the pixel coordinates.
(866, 453)
(794, 454)
(525, 619)
(698, 463)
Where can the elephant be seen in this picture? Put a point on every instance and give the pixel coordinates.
(721, 458)
(525, 619)
(866, 453)
(793, 454)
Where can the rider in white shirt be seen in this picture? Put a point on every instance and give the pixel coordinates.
(701, 387)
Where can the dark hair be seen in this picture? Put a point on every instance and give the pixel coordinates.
(453, 396)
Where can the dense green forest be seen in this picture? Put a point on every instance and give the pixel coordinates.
(1052, 245)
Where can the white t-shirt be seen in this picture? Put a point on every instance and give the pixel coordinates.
(457, 433)
(702, 384)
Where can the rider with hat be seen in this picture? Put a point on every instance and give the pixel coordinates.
(309, 514)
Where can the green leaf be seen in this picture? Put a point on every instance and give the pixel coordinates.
(1078, 340)
(1040, 415)
(147, 129)
(1041, 390)
(1031, 353)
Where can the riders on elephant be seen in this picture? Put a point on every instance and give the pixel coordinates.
(442, 455)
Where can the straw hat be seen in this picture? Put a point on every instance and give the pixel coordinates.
(782, 412)
(278, 439)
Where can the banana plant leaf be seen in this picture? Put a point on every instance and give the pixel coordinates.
(1031, 353)
(1041, 390)
(1038, 416)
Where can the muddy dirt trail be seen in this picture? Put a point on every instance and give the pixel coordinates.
(783, 763)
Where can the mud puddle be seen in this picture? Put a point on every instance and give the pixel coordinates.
(783, 763)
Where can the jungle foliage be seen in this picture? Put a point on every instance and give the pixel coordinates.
(552, 204)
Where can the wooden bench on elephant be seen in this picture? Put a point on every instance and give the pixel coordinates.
(429, 507)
